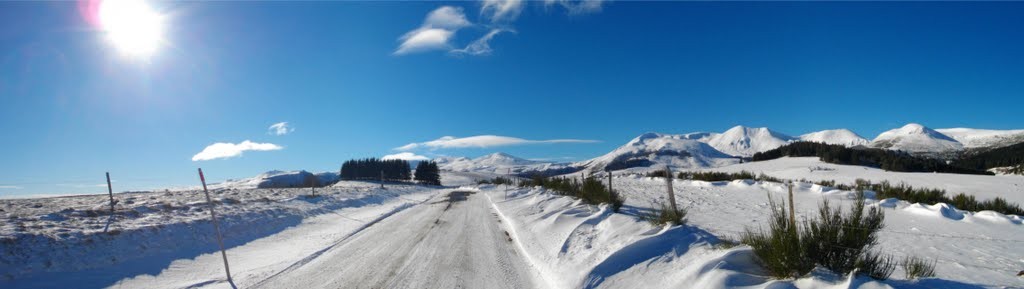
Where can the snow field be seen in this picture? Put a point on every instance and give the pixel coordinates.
(54, 242)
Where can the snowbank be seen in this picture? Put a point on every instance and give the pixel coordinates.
(575, 245)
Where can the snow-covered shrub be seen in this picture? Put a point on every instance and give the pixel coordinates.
(779, 249)
(666, 215)
(915, 268)
(837, 241)
(590, 190)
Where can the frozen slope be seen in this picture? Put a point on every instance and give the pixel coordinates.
(655, 150)
(843, 137)
(916, 138)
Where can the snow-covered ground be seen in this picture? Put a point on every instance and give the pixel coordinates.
(973, 247)
(453, 241)
(582, 246)
(575, 245)
(1009, 187)
(65, 241)
(405, 236)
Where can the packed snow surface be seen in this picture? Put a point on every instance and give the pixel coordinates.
(453, 241)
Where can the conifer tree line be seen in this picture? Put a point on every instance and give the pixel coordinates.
(1007, 156)
(371, 168)
(427, 172)
(880, 158)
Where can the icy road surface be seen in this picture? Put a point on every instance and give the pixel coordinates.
(452, 241)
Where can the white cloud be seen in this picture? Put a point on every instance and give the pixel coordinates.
(481, 46)
(228, 150)
(578, 6)
(499, 10)
(280, 128)
(11, 187)
(435, 33)
(446, 17)
(406, 156)
(483, 141)
(424, 39)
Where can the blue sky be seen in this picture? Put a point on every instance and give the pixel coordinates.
(360, 79)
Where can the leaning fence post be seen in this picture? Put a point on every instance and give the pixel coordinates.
(110, 191)
(216, 227)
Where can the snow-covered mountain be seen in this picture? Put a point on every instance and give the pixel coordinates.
(498, 163)
(835, 136)
(918, 139)
(984, 138)
(746, 141)
(709, 149)
(276, 179)
(655, 149)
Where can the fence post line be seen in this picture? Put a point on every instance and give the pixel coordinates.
(381, 179)
(216, 227)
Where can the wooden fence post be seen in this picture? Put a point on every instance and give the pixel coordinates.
(792, 210)
(216, 227)
(671, 191)
(110, 191)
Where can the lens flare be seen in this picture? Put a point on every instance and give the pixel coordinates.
(131, 26)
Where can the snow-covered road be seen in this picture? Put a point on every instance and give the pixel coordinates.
(452, 241)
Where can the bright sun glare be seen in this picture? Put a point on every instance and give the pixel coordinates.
(132, 26)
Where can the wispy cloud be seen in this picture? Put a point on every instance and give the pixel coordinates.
(10, 187)
(435, 32)
(501, 10)
(406, 156)
(578, 6)
(229, 150)
(481, 46)
(483, 141)
(80, 186)
(281, 128)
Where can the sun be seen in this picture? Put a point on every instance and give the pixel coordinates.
(132, 26)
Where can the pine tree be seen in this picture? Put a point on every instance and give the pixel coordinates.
(427, 172)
